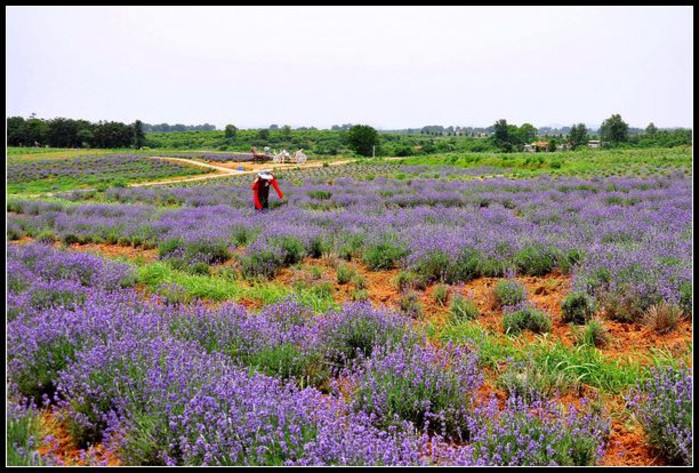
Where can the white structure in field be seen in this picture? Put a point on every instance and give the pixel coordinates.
(593, 143)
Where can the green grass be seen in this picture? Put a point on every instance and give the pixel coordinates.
(19, 432)
(582, 162)
(217, 288)
(583, 364)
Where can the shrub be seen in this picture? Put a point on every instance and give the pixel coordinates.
(663, 404)
(624, 304)
(433, 266)
(359, 281)
(466, 267)
(441, 294)
(23, 435)
(531, 382)
(555, 435)
(261, 264)
(409, 280)
(662, 317)
(357, 328)
(578, 307)
(319, 194)
(686, 298)
(569, 260)
(351, 247)
(420, 384)
(47, 236)
(358, 295)
(594, 335)
(292, 249)
(344, 274)
(409, 304)
(318, 247)
(537, 260)
(167, 247)
(289, 362)
(527, 318)
(463, 309)
(384, 255)
(509, 293)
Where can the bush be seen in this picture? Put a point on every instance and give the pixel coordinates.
(409, 304)
(557, 435)
(593, 335)
(359, 281)
(351, 247)
(344, 274)
(419, 384)
(625, 304)
(463, 309)
(531, 382)
(466, 267)
(262, 264)
(526, 319)
(318, 247)
(578, 307)
(663, 404)
(409, 280)
(686, 298)
(662, 317)
(293, 250)
(433, 266)
(384, 255)
(537, 260)
(509, 293)
(358, 295)
(569, 260)
(441, 294)
(320, 194)
(358, 328)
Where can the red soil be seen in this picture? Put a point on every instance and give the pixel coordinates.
(64, 448)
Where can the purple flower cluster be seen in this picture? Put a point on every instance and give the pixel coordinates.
(125, 166)
(537, 433)
(663, 404)
(186, 385)
(618, 236)
(427, 386)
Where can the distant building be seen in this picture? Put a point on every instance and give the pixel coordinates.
(593, 143)
(563, 147)
(536, 147)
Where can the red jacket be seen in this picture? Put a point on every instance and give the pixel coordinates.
(256, 187)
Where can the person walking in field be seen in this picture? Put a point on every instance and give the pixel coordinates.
(260, 189)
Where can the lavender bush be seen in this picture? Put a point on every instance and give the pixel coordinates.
(663, 404)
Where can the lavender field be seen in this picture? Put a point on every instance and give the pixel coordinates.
(379, 314)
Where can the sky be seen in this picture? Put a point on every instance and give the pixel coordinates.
(388, 67)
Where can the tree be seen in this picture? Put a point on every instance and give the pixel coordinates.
(552, 145)
(263, 134)
(139, 136)
(362, 139)
(651, 129)
(614, 130)
(501, 135)
(286, 132)
(230, 132)
(578, 135)
(527, 133)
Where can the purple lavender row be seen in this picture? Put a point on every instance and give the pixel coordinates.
(188, 385)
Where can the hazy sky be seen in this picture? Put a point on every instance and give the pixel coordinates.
(389, 67)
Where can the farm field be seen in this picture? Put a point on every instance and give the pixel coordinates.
(456, 309)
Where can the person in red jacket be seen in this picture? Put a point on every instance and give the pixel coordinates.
(260, 189)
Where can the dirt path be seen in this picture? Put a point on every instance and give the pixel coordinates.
(223, 171)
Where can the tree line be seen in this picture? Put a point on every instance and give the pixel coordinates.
(614, 132)
(70, 133)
